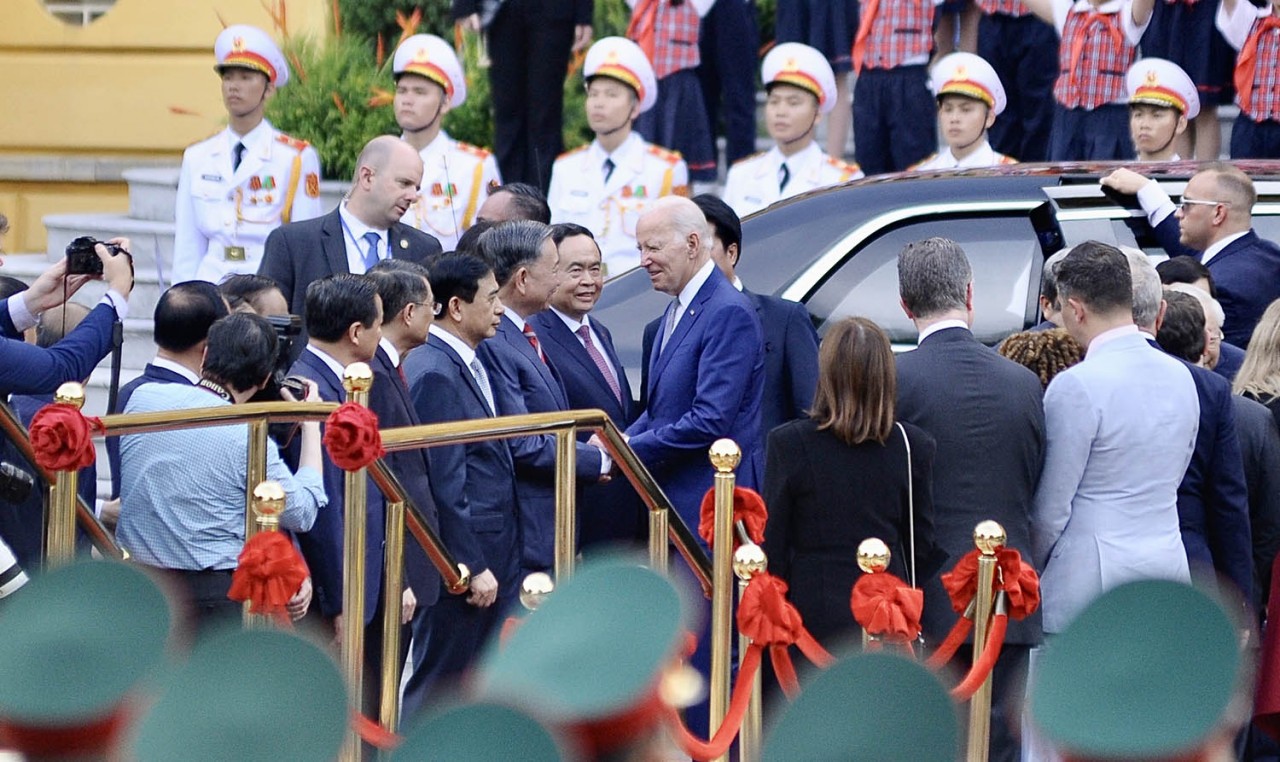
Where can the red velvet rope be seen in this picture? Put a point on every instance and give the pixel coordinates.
(770, 621)
(268, 574)
(62, 437)
(748, 507)
(352, 438)
(887, 607)
(372, 733)
(983, 665)
(728, 730)
(954, 640)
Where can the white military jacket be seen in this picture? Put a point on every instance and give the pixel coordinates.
(753, 182)
(456, 180)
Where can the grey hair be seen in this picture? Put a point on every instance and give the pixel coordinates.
(1211, 306)
(933, 276)
(508, 246)
(1049, 276)
(684, 217)
(1148, 291)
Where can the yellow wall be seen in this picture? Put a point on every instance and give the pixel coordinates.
(109, 89)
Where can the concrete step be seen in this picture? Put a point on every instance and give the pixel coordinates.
(151, 241)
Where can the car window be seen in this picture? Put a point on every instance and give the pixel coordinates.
(1003, 251)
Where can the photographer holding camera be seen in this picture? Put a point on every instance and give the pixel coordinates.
(27, 369)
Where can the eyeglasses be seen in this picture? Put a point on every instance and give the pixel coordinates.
(435, 307)
(1197, 202)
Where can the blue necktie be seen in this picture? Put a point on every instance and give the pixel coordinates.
(371, 253)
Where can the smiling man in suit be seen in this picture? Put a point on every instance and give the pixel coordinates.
(581, 349)
(473, 484)
(525, 263)
(790, 342)
(363, 230)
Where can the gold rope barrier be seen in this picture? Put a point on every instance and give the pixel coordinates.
(749, 560)
(725, 457)
(989, 537)
(357, 380)
(268, 500)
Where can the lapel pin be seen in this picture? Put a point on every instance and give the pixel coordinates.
(404, 243)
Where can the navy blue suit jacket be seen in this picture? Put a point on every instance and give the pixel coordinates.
(28, 369)
(323, 545)
(389, 399)
(1213, 500)
(1230, 358)
(473, 484)
(523, 383)
(790, 360)
(1246, 277)
(705, 384)
(151, 374)
(608, 513)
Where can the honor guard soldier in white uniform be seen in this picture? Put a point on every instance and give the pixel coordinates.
(242, 183)
(606, 185)
(970, 97)
(1162, 101)
(456, 177)
(801, 87)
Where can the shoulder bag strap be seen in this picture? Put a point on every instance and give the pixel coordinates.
(911, 508)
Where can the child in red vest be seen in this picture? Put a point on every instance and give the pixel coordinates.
(1098, 44)
(1255, 32)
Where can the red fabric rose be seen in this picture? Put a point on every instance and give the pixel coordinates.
(352, 438)
(765, 615)
(887, 607)
(269, 574)
(1017, 578)
(748, 507)
(961, 582)
(62, 437)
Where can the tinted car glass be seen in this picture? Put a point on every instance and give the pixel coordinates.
(1006, 261)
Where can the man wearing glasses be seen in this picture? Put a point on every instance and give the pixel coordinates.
(1213, 223)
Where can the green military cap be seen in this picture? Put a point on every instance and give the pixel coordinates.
(1148, 670)
(873, 706)
(247, 695)
(479, 733)
(75, 644)
(591, 658)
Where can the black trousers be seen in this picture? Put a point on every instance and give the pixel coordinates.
(529, 42)
(729, 44)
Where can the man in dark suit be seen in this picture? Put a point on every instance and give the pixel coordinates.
(525, 263)
(581, 349)
(1214, 224)
(363, 230)
(1225, 358)
(985, 413)
(473, 484)
(790, 342)
(344, 316)
(529, 46)
(182, 319)
(1213, 500)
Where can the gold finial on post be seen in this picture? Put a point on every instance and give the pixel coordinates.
(748, 561)
(357, 377)
(725, 455)
(268, 504)
(873, 555)
(989, 537)
(464, 580)
(534, 590)
(70, 393)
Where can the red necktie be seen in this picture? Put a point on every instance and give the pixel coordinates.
(533, 340)
(585, 333)
(1247, 63)
(403, 378)
(864, 32)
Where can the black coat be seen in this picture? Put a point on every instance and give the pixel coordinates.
(824, 498)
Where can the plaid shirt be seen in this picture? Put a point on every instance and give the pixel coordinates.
(1092, 60)
(900, 30)
(1259, 65)
(1004, 7)
(675, 34)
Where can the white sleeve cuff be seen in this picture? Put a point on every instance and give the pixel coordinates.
(1155, 202)
(702, 7)
(117, 302)
(606, 463)
(19, 313)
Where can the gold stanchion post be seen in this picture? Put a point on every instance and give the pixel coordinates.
(566, 520)
(268, 503)
(989, 537)
(60, 543)
(534, 590)
(725, 456)
(255, 473)
(658, 542)
(357, 379)
(873, 558)
(749, 560)
(393, 592)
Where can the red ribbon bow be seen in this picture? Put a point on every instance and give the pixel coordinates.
(352, 438)
(62, 437)
(887, 607)
(269, 574)
(748, 507)
(1014, 576)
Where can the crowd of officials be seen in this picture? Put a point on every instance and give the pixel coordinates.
(468, 302)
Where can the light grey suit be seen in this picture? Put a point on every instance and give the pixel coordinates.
(1120, 429)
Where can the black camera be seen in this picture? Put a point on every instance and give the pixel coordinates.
(288, 328)
(82, 259)
(15, 483)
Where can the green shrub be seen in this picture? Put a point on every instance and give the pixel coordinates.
(370, 19)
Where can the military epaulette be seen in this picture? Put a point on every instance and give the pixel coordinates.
(922, 162)
(749, 158)
(572, 151)
(473, 150)
(1007, 159)
(296, 144)
(845, 167)
(666, 154)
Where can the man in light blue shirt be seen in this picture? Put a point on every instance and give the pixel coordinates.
(183, 492)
